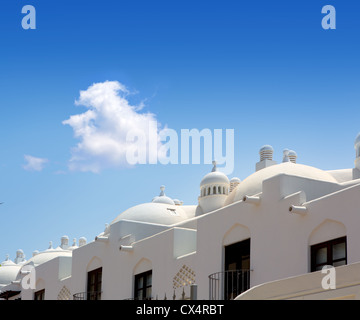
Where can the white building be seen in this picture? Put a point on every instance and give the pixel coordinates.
(266, 237)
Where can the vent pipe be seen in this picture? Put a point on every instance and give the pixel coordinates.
(292, 156)
(234, 182)
(266, 157)
(126, 248)
(298, 209)
(253, 200)
(266, 152)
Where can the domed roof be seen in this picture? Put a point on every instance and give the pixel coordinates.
(159, 213)
(253, 184)
(48, 254)
(266, 147)
(8, 272)
(214, 177)
(162, 198)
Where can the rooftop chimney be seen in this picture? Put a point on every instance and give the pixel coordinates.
(266, 157)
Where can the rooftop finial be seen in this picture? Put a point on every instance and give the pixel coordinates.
(50, 245)
(82, 241)
(162, 189)
(64, 242)
(214, 164)
(7, 257)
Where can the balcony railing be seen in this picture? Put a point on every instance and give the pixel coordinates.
(227, 285)
(94, 295)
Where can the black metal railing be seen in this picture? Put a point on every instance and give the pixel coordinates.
(93, 295)
(227, 285)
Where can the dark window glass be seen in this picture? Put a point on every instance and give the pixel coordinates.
(143, 284)
(94, 284)
(39, 295)
(331, 253)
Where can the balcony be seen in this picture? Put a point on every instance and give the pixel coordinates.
(94, 295)
(227, 285)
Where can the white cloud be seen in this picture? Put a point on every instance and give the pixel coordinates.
(102, 129)
(34, 163)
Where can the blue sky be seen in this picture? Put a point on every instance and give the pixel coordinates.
(266, 69)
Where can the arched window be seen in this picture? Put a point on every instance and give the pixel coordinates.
(209, 191)
(214, 190)
(219, 190)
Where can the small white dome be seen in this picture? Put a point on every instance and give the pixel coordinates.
(48, 254)
(178, 202)
(266, 147)
(162, 198)
(235, 179)
(8, 272)
(159, 213)
(214, 177)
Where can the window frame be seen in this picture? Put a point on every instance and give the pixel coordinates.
(144, 287)
(94, 290)
(329, 253)
(39, 295)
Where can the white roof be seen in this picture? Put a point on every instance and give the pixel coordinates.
(8, 272)
(159, 213)
(47, 255)
(215, 177)
(253, 183)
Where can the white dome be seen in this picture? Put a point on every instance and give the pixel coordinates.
(48, 254)
(8, 272)
(253, 184)
(235, 179)
(162, 198)
(266, 147)
(159, 213)
(214, 177)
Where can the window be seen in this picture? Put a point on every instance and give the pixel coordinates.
(214, 190)
(39, 295)
(237, 269)
(94, 284)
(143, 283)
(331, 252)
